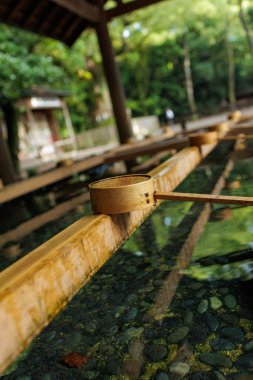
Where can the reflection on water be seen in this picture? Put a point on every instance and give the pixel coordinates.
(154, 311)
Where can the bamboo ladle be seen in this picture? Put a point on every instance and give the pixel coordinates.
(133, 192)
(213, 137)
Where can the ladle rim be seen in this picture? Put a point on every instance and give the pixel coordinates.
(93, 184)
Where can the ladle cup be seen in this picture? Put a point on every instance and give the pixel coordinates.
(128, 193)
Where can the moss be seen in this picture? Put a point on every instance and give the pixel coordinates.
(246, 324)
(197, 365)
(234, 354)
(228, 371)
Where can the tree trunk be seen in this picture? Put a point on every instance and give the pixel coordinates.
(231, 70)
(10, 116)
(188, 77)
(245, 27)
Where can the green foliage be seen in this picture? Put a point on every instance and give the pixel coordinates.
(149, 48)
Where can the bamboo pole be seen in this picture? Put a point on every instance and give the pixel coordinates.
(38, 286)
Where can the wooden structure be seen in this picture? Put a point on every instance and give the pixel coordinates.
(42, 17)
(50, 275)
(38, 105)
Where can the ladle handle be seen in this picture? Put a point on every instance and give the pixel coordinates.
(240, 135)
(207, 198)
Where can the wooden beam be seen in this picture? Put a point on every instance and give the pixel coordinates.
(124, 8)
(26, 186)
(82, 8)
(40, 220)
(7, 173)
(150, 147)
(113, 80)
(38, 286)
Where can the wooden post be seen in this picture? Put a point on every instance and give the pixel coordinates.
(113, 79)
(6, 167)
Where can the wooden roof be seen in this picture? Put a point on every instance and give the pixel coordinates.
(63, 20)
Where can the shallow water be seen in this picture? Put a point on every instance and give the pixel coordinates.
(163, 308)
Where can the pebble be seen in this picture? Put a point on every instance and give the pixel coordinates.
(249, 346)
(49, 336)
(230, 301)
(222, 345)
(203, 306)
(179, 368)
(234, 333)
(112, 330)
(219, 376)
(212, 322)
(195, 285)
(188, 317)
(201, 293)
(178, 334)
(131, 314)
(223, 291)
(186, 303)
(131, 298)
(199, 334)
(162, 376)
(74, 340)
(202, 376)
(156, 352)
(90, 375)
(170, 323)
(245, 361)
(215, 303)
(215, 359)
(134, 332)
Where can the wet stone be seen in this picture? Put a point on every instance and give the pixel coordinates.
(112, 367)
(219, 376)
(178, 334)
(234, 333)
(202, 376)
(132, 314)
(170, 323)
(131, 269)
(131, 298)
(198, 334)
(230, 301)
(212, 322)
(223, 291)
(195, 285)
(162, 376)
(215, 359)
(49, 336)
(230, 319)
(112, 330)
(186, 303)
(249, 346)
(90, 375)
(156, 352)
(201, 293)
(180, 369)
(222, 345)
(245, 361)
(134, 332)
(153, 333)
(188, 317)
(215, 303)
(203, 306)
(74, 340)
